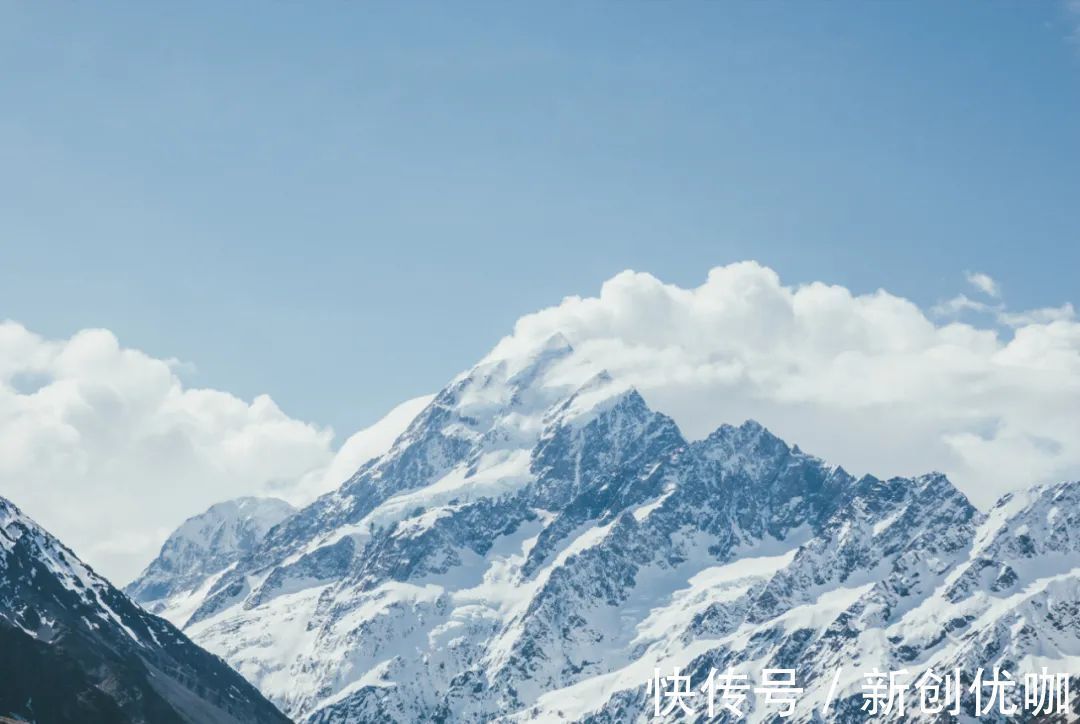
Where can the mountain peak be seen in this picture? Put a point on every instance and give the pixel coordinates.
(206, 544)
(557, 342)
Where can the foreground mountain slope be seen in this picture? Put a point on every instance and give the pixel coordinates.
(75, 649)
(539, 540)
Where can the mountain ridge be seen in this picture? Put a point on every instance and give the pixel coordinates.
(539, 539)
(78, 650)
(205, 545)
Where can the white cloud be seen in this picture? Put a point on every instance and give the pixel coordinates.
(1043, 315)
(962, 303)
(984, 283)
(106, 447)
(866, 381)
(370, 442)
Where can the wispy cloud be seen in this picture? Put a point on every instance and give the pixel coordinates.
(984, 282)
(963, 303)
(1044, 315)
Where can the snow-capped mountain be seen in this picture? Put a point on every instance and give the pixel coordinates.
(206, 545)
(539, 541)
(76, 649)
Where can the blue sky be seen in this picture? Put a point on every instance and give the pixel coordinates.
(343, 205)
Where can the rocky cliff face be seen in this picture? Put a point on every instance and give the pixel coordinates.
(76, 649)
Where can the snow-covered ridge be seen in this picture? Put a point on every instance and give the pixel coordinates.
(539, 540)
(91, 653)
(205, 545)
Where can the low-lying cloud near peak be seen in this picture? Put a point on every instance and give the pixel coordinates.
(107, 447)
(867, 381)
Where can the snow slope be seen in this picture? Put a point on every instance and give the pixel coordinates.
(205, 545)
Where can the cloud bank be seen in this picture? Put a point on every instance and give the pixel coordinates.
(106, 447)
(867, 381)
